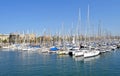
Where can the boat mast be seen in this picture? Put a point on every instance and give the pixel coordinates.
(63, 34)
(79, 25)
(88, 24)
(78, 29)
(72, 32)
(99, 30)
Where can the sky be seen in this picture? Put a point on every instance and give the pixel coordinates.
(58, 15)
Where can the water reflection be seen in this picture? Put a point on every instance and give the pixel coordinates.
(91, 59)
(23, 63)
(5, 49)
(62, 56)
(78, 58)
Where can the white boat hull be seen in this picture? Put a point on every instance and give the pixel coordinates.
(78, 53)
(91, 53)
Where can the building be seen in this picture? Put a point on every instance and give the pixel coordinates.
(4, 38)
(13, 38)
(27, 38)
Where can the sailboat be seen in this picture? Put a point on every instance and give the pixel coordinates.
(91, 51)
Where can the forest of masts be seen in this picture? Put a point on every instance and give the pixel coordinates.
(91, 34)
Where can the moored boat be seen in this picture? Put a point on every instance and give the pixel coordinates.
(91, 53)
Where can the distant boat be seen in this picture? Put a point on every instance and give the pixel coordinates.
(73, 50)
(53, 49)
(62, 52)
(44, 50)
(5, 47)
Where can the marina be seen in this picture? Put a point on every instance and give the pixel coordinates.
(59, 38)
(74, 58)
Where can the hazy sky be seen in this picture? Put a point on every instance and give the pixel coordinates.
(36, 15)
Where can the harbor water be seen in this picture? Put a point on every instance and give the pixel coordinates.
(17, 63)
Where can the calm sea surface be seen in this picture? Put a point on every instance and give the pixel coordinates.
(15, 63)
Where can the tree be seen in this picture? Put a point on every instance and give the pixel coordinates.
(4, 41)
